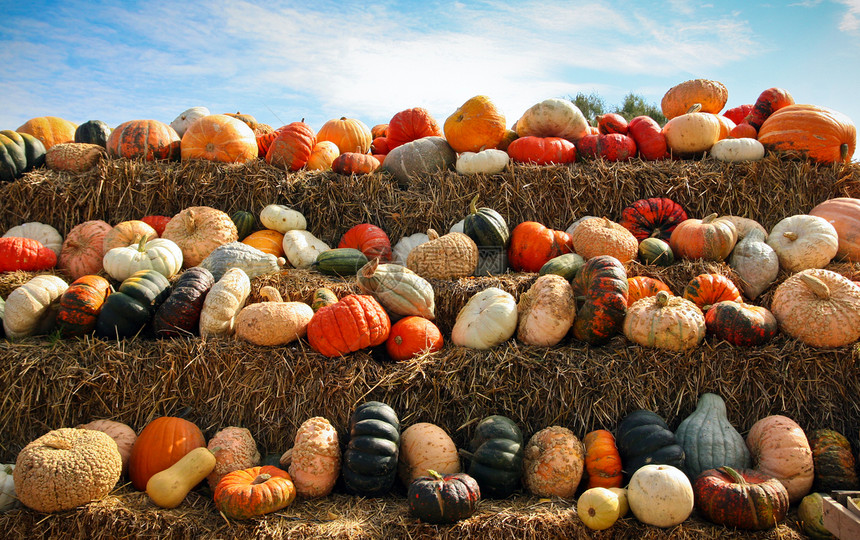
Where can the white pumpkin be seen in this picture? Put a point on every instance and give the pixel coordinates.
(188, 117)
(224, 302)
(302, 248)
(803, 241)
(755, 262)
(278, 217)
(737, 150)
(660, 495)
(159, 254)
(458, 227)
(401, 250)
(47, 235)
(553, 118)
(8, 499)
(692, 133)
(491, 161)
(29, 307)
(488, 319)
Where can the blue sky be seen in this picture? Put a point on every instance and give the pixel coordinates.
(284, 61)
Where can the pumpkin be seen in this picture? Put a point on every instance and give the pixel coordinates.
(665, 322)
(273, 322)
(19, 153)
(282, 218)
(32, 307)
(726, 127)
(603, 283)
(379, 145)
(655, 251)
(126, 233)
(709, 440)
(649, 138)
(126, 311)
(710, 238)
(532, 245)
(74, 158)
(737, 114)
(400, 290)
(411, 125)
(122, 435)
(542, 150)
(232, 448)
(660, 495)
(553, 462)
(256, 491)
(612, 147)
(546, 311)
(706, 290)
(144, 139)
(425, 447)
(692, 133)
(180, 312)
(355, 322)
(80, 305)
(476, 125)
(744, 226)
(223, 303)
(159, 254)
(246, 119)
(488, 319)
(803, 241)
(817, 133)
(612, 123)
(268, 241)
(780, 449)
(219, 138)
(740, 324)
(810, 512)
(404, 246)
(379, 130)
(566, 266)
(314, 460)
(238, 255)
(169, 487)
(496, 456)
(598, 508)
(26, 254)
(603, 466)
(744, 131)
(322, 156)
(244, 221)
(265, 139)
(553, 118)
(844, 214)
(50, 130)
(354, 163)
(413, 336)
(755, 262)
(453, 255)
(66, 468)
(743, 499)
(45, 234)
(198, 230)
(443, 499)
(600, 236)
(833, 461)
(489, 161)
(818, 307)
(369, 239)
(768, 102)
(156, 222)
(187, 117)
(302, 248)
(371, 455)
(640, 287)
(643, 437)
(656, 217)
(737, 150)
(292, 146)
(348, 134)
(711, 95)
(420, 157)
(163, 442)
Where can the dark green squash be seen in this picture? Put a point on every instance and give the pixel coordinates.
(93, 132)
(496, 456)
(179, 315)
(566, 266)
(127, 311)
(709, 440)
(370, 460)
(339, 262)
(443, 499)
(491, 234)
(643, 438)
(19, 153)
(245, 223)
(655, 251)
(602, 282)
(835, 467)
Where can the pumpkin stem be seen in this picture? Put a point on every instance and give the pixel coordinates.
(663, 298)
(398, 340)
(843, 151)
(261, 478)
(607, 223)
(286, 459)
(434, 474)
(736, 477)
(58, 444)
(790, 236)
(432, 234)
(710, 218)
(818, 287)
(141, 246)
(370, 268)
(473, 207)
(696, 107)
(271, 294)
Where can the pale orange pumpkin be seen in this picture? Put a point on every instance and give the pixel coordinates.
(122, 434)
(50, 130)
(601, 236)
(553, 462)
(322, 156)
(219, 138)
(779, 447)
(83, 249)
(349, 134)
(314, 459)
(844, 214)
(267, 241)
(712, 95)
(476, 125)
(234, 449)
(692, 133)
(198, 230)
(818, 133)
(126, 233)
(425, 446)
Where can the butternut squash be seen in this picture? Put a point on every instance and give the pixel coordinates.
(169, 487)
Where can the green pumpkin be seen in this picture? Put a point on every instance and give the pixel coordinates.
(655, 251)
(19, 153)
(245, 223)
(644, 438)
(810, 512)
(370, 460)
(709, 440)
(835, 467)
(400, 290)
(496, 456)
(443, 499)
(491, 234)
(339, 262)
(93, 132)
(127, 311)
(566, 266)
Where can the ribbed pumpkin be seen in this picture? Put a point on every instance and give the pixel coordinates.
(369, 239)
(665, 322)
(400, 290)
(18, 253)
(476, 125)
(780, 448)
(803, 241)
(292, 147)
(818, 133)
(19, 153)
(496, 456)
(844, 214)
(742, 325)
(835, 467)
(643, 437)
(424, 156)
(349, 163)
(706, 290)
(489, 230)
(655, 251)
(246, 493)
(179, 315)
(711, 238)
(353, 323)
(50, 130)
(546, 311)
(198, 230)
(612, 147)
(44, 233)
(603, 282)
(602, 460)
(542, 150)
(532, 245)
(768, 102)
(219, 138)
(371, 455)
(410, 125)
(443, 499)
(656, 217)
(267, 241)
(742, 498)
(709, 440)
(711, 95)
(80, 305)
(413, 336)
(639, 287)
(144, 139)
(126, 311)
(349, 134)
(453, 255)
(322, 156)
(160, 444)
(649, 138)
(126, 233)
(601, 236)
(245, 223)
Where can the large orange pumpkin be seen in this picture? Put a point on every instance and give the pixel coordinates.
(293, 146)
(83, 248)
(821, 134)
(411, 124)
(50, 130)
(322, 156)
(475, 126)
(355, 322)
(542, 150)
(532, 245)
(219, 138)
(144, 139)
(349, 134)
(163, 442)
(844, 214)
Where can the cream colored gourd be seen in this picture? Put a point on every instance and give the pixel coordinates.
(458, 227)
(623, 507)
(598, 508)
(553, 118)
(803, 242)
(490, 161)
(546, 311)
(273, 322)
(30, 308)
(400, 290)
(454, 255)
(692, 133)
(488, 319)
(302, 248)
(314, 459)
(401, 250)
(744, 225)
(127, 233)
(282, 218)
(755, 262)
(665, 322)
(47, 235)
(737, 150)
(188, 117)
(224, 302)
(169, 487)
(660, 495)
(159, 254)
(8, 499)
(234, 449)
(425, 447)
(601, 236)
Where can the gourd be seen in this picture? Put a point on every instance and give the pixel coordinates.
(425, 447)
(566, 266)
(302, 248)
(709, 440)
(755, 262)
(45, 234)
(598, 508)
(198, 230)
(496, 456)
(489, 161)
(371, 456)
(665, 322)
(780, 449)
(475, 125)
(400, 251)
(553, 462)
(453, 255)
(273, 322)
(844, 214)
(400, 290)
(80, 305)
(161, 443)
(443, 499)
(546, 311)
(603, 282)
(737, 150)
(180, 313)
(833, 461)
(340, 262)
(741, 324)
(246, 493)
(595, 237)
(8, 499)
(224, 302)
(488, 319)
(803, 242)
(532, 245)
(188, 117)
(122, 434)
(241, 256)
(353, 323)
(282, 218)
(159, 254)
(412, 336)
(743, 499)
(314, 460)
(602, 460)
(488, 229)
(660, 495)
(655, 217)
(31, 308)
(83, 249)
(169, 487)
(553, 118)
(810, 512)
(234, 448)
(245, 223)
(643, 437)
(126, 311)
(420, 157)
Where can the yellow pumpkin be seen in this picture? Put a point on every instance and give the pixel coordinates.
(598, 508)
(322, 156)
(692, 133)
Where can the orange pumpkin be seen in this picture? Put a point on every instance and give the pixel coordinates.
(156, 222)
(219, 138)
(50, 130)
(265, 139)
(542, 150)
(379, 130)
(355, 322)
(354, 163)
(246, 119)
(821, 134)
(126, 233)
(602, 461)
(292, 147)
(322, 156)
(411, 124)
(81, 304)
(267, 241)
(83, 249)
(379, 145)
(412, 336)
(705, 290)
(532, 245)
(844, 214)
(163, 442)
(349, 134)
(711, 238)
(712, 95)
(743, 131)
(144, 139)
(640, 287)
(26, 254)
(254, 492)
(369, 239)
(477, 125)
(768, 102)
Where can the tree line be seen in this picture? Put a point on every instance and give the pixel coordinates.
(592, 106)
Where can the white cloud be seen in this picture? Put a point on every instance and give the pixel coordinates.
(850, 22)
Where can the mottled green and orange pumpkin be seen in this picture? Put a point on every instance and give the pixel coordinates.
(833, 460)
(705, 290)
(149, 140)
(80, 305)
(742, 325)
(603, 282)
(743, 499)
(656, 217)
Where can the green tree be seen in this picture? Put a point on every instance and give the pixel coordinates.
(591, 106)
(634, 106)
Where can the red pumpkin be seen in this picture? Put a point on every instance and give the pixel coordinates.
(379, 130)
(542, 150)
(354, 163)
(411, 124)
(737, 114)
(740, 324)
(603, 283)
(640, 287)
(292, 147)
(379, 145)
(613, 147)
(412, 336)
(612, 123)
(743, 131)
(149, 140)
(163, 442)
(156, 222)
(768, 102)
(743, 499)
(532, 245)
(81, 304)
(368, 239)
(656, 217)
(264, 141)
(355, 322)
(705, 290)
(25, 254)
(649, 138)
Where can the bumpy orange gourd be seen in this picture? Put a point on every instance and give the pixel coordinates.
(712, 95)
(234, 448)
(553, 463)
(601, 236)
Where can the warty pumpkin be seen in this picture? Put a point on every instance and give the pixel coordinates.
(711, 95)
(817, 133)
(603, 282)
(424, 447)
(355, 322)
(779, 448)
(665, 322)
(844, 214)
(413, 336)
(149, 140)
(232, 448)
(453, 255)
(219, 138)
(314, 460)
(711, 238)
(163, 442)
(476, 125)
(199, 230)
(546, 311)
(348, 134)
(488, 319)
(256, 491)
(601, 236)
(553, 462)
(398, 289)
(80, 305)
(31, 308)
(74, 158)
(603, 466)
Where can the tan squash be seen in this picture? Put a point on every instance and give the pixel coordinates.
(423, 447)
(601, 236)
(553, 462)
(454, 255)
(803, 242)
(314, 460)
(234, 448)
(273, 322)
(198, 230)
(169, 487)
(665, 322)
(546, 311)
(223, 303)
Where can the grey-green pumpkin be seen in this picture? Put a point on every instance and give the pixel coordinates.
(419, 157)
(709, 440)
(400, 290)
(238, 255)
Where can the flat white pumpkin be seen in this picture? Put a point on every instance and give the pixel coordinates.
(404, 246)
(278, 217)
(737, 150)
(188, 117)
(491, 161)
(47, 235)
(160, 254)
(224, 302)
(488, 319)
(458, 227)
(803, 241)
(29, 307)
(553, 118)
(302, 248)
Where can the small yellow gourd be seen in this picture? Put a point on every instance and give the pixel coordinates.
(598, 508)
(169, 487)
